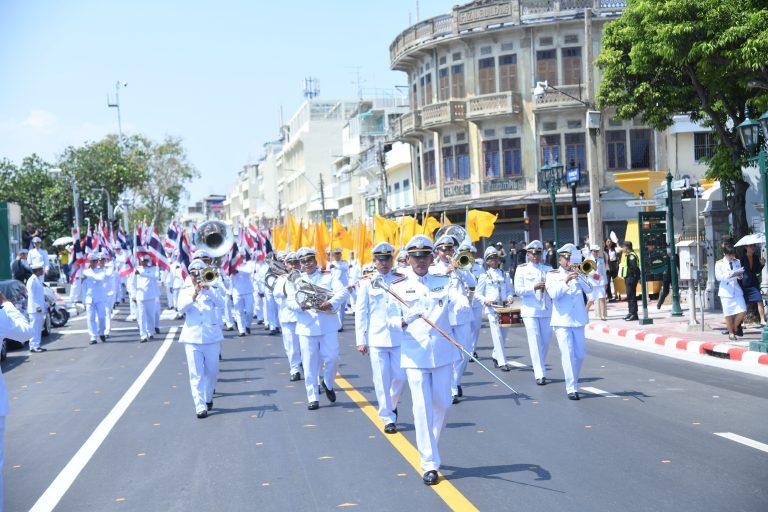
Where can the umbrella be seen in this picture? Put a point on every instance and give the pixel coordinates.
(753, 239)
(62, 240)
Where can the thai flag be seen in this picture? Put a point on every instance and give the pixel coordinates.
(122, 239)
(155, 249)
(171, 241)
(234, 259)
(129, 267)
(183, 254)
(91, 244)
(75, 255)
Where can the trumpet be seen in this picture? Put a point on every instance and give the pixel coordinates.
(462, 260)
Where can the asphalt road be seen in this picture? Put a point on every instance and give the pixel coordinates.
(649, 445)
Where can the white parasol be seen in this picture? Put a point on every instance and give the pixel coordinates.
(62, 240)
(753, 239)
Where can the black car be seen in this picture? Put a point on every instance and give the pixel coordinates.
(16, 292)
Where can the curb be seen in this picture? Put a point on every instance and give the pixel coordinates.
(672, 343)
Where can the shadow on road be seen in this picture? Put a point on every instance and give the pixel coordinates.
(495, 472)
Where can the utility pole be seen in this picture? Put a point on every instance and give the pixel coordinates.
(595, 217)
(322, 199)
(676, 311)
(116, 105)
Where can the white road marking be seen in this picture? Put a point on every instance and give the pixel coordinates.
(64, 480)
(596, 391)
(744, 440)
(168, 314)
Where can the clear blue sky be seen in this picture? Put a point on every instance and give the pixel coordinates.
(212, 73)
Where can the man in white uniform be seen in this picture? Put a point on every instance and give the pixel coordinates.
(37, 253)
(242, 297)
(425, 355)
(271, 320)
(340, 271)
(478, 308)
(120, 264)
(282, 291)
(536, 307)
(147, 292)
(317, 329)
(96, 284)
(201, 336)
(36, 305)
(494, 288)
(569, 316)
(376, 335)
(177, 282)
(14, 326)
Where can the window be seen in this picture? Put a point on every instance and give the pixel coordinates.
(641, 148)
(443, 85)
(462, 161)
(616, 142)
(406, 192)
(546, 66)
(417, 168)
(430, 175)
(550, 149)
(510, 150)
(415, 97)
(457, 81)
(575, 155)
(428, 89)
(448, 165)
(491, 158)
(508, 72)
(571, 66)
(703, 146)
(487, 76)
(422, 101)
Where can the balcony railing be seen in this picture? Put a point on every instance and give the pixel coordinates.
(497, 104)
(554, 99)
(410, 122)
(421, 32)
(443, 113)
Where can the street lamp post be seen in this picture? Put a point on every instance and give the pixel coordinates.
(550, 179)
(749, 132)
(676, 311)
(75, 196)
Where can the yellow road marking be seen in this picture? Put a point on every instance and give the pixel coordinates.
(445, 489)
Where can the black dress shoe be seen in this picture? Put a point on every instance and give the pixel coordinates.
(331, 394)
(295, 376)
(209, 405)
(455, 399)
(241, 335)
(627, 317)
(92, 342)
(430, 477)
(151, 336)
(103, 338)
(322, 387)
(632, 318)
(542, 381)
(573, 396)
(505, 367)
(230, 328)
(157, 330)
(341, 329)
(461, 391)
(740, 331)
(474, 354)
(495, 363)
(35, 350)
(260, 322)
(202, 414)
(313, 405)
(395, 411)
(248, 330)
(390, 428)
(220, 358)
(273, 332)
(143, 340)
(106, 336)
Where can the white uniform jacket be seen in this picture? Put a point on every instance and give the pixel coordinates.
(284, 289)
(535, 303)
(494, 286)
(568, 309)
(462, 281)
(372, 311)
(35, 294)
(202, 316)
(340, 271)
(40, 255)
(432, 296)
(729, 278)
(311, 322)
(96, 284)
(146, 284)
(242, 281)
(13, 325)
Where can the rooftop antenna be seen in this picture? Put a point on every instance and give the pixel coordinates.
(116, 105)
(311, 88)
(358, 82)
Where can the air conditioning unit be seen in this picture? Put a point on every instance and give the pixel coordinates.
(593, 120)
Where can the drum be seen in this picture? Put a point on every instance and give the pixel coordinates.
(508, 316)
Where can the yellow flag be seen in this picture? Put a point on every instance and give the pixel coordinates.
(430, 225)
(340, 237)
(408, 228)
(480, 224)
(363, 245)
(386, 230)
(293, 233)
(321, 243)
(278, 240)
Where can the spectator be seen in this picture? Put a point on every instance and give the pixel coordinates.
(512, 266)
(629, 270)
(612, 256)
(522, 254)
(753, 266)
(550, 257)
(502, 253)
(598, 281)
(64, 260)
(729, 272)
(26, 236)
(20, 267)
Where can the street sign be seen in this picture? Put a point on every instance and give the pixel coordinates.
(642, 202)
(572, 175)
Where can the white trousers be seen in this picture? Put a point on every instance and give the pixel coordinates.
(477, 322)
(98, 312)
(157, 312)
(37, 329)
(258, 307)
(388, 380)
(463, 334)
(499, 337)
(146, 317)
(243, 311)
(340, 313)
(228, 318)
(570, 340)
(538, 332)
(175, 295)
(431, 397)
(203, 363)
(131, 308)
(76, 294)
(119, 289)
(291, 345)
(317, 351)
(170, 298)
(270, 312)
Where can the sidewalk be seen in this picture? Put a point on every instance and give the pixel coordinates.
(675, 336)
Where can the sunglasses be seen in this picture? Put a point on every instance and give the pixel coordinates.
(382, 257)
(307, 259)
(534, 251)
(420, 254)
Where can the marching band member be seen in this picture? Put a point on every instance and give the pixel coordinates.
(271, 319)
(258, 295)
(225, 282)
(598, 285)
(425, 356)
(145, 294)
(318, 329)
(168, 281)
(130, 290)
(120, 264)
(37, 253)
(461, 314)
(242, 297)
(536, 307)
(569, 316)
(376, 336)
(477, 305)
(96, 283)
(402, 259)
(340, 270)
(287, 316)
(494, 288)
(36, 305)
(177, 282)
(201, 336)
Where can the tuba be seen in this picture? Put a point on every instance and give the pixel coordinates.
(216, 239)
(457, 232)
(309, 295)
(275, 270)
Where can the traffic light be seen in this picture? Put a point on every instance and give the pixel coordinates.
(526, 224)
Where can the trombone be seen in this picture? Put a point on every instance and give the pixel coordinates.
(583, 270)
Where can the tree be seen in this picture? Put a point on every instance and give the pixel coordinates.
(702, 57)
